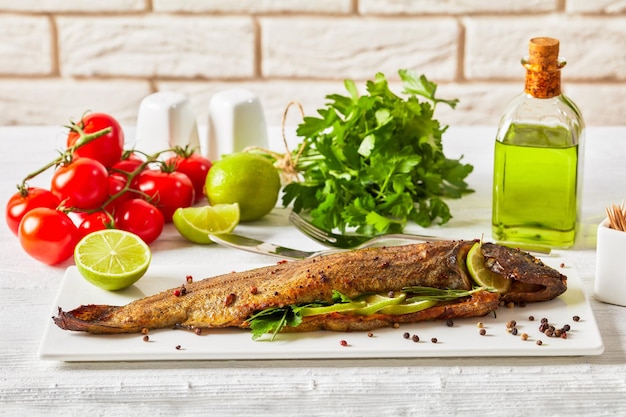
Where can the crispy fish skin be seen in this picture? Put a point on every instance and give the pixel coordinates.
(229, 300)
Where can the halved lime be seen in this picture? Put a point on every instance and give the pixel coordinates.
(112, 259)
(197, 223)
(481, 275)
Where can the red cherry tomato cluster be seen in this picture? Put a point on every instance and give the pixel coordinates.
(96, 184)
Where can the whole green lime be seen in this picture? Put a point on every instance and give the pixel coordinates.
(250, 180)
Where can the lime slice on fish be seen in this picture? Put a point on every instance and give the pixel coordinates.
(112, 259)
(481, 275)
(408, 308)
(197, 223)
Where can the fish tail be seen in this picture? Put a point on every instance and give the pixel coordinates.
(92, 318)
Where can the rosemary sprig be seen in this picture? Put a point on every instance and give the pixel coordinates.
(437, 294)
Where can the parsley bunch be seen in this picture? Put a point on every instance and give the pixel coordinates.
(374, 162)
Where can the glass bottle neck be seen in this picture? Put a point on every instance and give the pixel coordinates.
(542, 82)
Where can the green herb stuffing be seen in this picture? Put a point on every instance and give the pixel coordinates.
(272, 320)
(374, 162)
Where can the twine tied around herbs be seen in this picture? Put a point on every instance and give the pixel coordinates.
(285, 163)
(617, 217)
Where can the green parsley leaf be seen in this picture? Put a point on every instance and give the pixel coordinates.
(273, 320)
(375, 162)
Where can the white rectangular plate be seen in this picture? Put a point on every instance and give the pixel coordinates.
(462, 339)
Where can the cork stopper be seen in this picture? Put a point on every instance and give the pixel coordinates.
(543, 52)
(543, 69)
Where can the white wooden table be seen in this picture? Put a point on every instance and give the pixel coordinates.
(491, 386)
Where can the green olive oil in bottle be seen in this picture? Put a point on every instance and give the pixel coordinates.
(538, 158)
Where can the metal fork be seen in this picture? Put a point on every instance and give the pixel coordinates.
(349, 241)
(353, 241)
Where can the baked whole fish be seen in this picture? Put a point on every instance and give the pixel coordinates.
(230, 300)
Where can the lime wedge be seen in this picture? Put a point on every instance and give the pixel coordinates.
(334, 308)
(408, 308)
(197, 223)
(481, 275)
(377, 302)
(112, 259)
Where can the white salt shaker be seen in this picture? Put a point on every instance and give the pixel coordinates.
(165, 120)
(236, 121)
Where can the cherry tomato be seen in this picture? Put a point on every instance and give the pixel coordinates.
(92, 222)
(106, 149)
(117, 182)
(166, 190)
(141, 218)
(48, 235)
(22, 202)
(83, 183)
(196, 167)
(129, 163)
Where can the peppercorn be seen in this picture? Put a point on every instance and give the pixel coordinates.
(564, 335)
(146, 338)
(511, 323)
(406, 335)
(176, 293)
(144, 330)
(480, 324)
(189, 279)
(178, 347)
(198, 331)
(230, 299)
(549, 332)
(396, 325)
(566, 327)
(482, 332)
(514, 331)
(370, 334)
(524, 336)
(449, 323)
(434, 340)
(415, 338)
(576, 318)
(539, 342)
(531, 318)
(343, 343)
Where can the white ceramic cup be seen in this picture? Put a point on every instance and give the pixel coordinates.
(610, 284)
(236, 121)
(165, 119)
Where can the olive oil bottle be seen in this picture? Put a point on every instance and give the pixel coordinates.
(538, 158)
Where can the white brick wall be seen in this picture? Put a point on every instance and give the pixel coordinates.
(59, 58)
